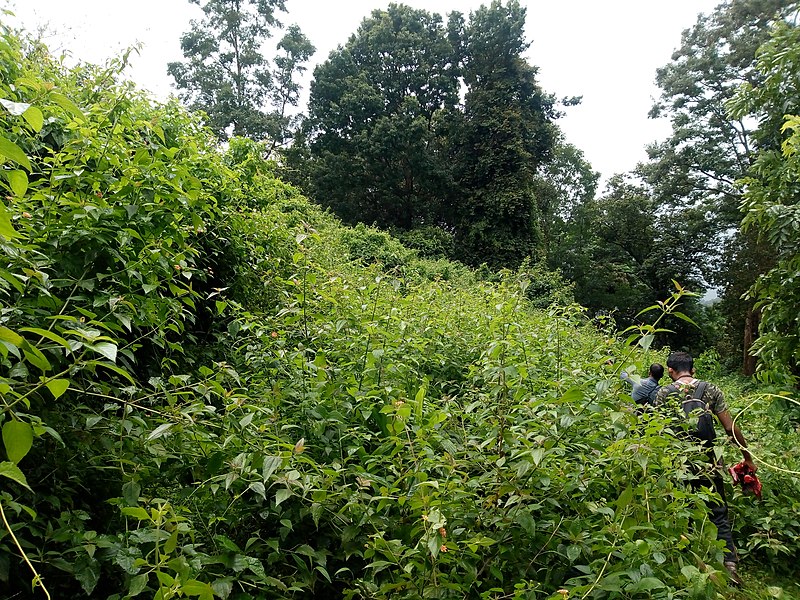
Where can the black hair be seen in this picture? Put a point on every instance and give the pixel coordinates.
(681, 362)
(657, 371)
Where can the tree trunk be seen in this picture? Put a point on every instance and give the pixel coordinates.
(750, 335)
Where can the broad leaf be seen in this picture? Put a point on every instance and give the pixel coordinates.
(137, 585)
(12, 338)
(10, 470)
(18, 439)
(34, 118)
(57, 387)
(107, 349)
(67, 104)
(281, 495)
(6, 228)
(159, 431)
(13, 152)
(18, 182)
(53, 337)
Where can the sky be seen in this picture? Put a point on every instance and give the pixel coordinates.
(604, 50)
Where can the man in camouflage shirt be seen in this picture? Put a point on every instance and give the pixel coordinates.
(680, 367)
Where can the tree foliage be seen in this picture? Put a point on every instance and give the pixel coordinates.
(770, 204)
(374, 124)
(623, 257)
(499, 141)
(693, 173)
(227, 75)
(388, 142)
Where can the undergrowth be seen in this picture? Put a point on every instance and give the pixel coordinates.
(210, 388)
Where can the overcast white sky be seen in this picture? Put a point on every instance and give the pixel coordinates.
(605, 50)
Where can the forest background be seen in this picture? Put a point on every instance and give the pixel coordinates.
(265, 399)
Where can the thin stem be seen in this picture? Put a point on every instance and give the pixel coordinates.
(37, 579)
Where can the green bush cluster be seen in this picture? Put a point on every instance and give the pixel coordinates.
(211, 389)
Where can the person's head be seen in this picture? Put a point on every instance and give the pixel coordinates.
(656, 371)
(679, 363)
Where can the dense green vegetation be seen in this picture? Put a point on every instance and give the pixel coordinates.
(212, 388)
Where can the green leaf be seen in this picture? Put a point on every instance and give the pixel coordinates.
(35, 357)
(171, 543)
(57, 387)
(137, 585)
(53, 337)
(159, 431)
(18, 439)
(137, 512)
(419, 399)
(13, 152)
(198, 588)
(682, 316)
(258, 488)
(10, 470)
(324, 572)
(15, 281)
(67, 104)
(227, 543)
(573, 552)
(281, 495)
(624, 498)
(223, 587)
(18, 182)
(112, 367)
(647, 310)
(646, 341)
(645, 584)
(572, 395)
(271, 464)
(106, 349)
(12, 338)
(34, 118)
(131, 492)
(7, 231)
(87, 572)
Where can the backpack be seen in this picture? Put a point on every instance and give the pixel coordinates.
(696, 411)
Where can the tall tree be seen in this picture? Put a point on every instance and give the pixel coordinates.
(694, 172)
(504, 134)
(562, 186)
(227, 75)
(770, 206)
(388, 141)
(375, 116)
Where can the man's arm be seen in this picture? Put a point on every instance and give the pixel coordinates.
(733, 431)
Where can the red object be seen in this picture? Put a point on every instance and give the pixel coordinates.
(744, 475)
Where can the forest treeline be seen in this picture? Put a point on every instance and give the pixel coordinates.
(213, 386)
(437, 131)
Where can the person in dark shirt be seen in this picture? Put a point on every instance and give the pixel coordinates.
(680, 366)
(645, 391)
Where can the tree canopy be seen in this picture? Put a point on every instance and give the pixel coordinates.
(693, 174)
(389, 141)
(770, 202)
(227, 75)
